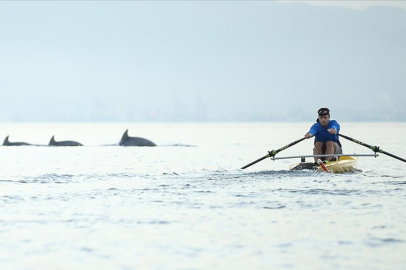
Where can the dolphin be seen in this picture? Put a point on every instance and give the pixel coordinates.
(7, 143)
(134, 141)
(63, 143)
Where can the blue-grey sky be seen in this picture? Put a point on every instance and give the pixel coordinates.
(67, 61)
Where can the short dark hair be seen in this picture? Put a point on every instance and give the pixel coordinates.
(323, 112)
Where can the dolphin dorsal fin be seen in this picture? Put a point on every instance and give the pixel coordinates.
(125, 135)
(6, 142)
(52, 141)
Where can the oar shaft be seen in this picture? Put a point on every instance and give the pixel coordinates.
(273, 153)
(373, 148)
(256, 161)
(356, 141)
(391, 155)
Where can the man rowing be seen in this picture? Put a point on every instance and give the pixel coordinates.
(325, 136)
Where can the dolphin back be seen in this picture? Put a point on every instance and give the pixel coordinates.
(8, 143)
(64, 143)
(137, 141)
(68, 143)
(134, 141)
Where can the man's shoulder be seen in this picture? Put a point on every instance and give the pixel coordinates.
(317, 124)
(316, 128)
(333, 122)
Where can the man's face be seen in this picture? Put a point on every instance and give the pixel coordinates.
(324, 120)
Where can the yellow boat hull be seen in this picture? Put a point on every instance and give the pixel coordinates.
(342, 165)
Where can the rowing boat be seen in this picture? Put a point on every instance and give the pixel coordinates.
(345, 162)
(342, 165)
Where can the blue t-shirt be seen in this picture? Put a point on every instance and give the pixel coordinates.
(321, 134)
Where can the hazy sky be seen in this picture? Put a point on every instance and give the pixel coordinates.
(354, 4)
(66, 61)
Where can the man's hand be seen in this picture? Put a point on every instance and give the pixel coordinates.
(308, 135)
(332, 131)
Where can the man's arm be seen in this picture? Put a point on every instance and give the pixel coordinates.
(312, 132)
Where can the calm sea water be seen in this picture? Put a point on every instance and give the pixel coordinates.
(186, 204)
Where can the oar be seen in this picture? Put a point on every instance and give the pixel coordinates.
(273, 152)
(373, 148)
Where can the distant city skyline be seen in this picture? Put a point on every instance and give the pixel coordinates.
(201, 61)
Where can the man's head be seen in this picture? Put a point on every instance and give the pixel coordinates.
(324, 116)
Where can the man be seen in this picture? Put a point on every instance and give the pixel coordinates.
(325, 132)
